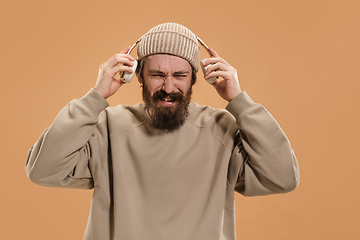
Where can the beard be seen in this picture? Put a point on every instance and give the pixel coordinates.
(167, 118)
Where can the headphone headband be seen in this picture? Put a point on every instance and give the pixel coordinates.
(199, 40)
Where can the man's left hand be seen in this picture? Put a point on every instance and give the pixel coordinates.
(227, 85)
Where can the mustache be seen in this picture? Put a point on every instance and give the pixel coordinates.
(161, 94)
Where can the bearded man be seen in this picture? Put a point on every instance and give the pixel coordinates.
(165, 168)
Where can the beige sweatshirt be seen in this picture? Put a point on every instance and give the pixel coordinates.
(151, 184)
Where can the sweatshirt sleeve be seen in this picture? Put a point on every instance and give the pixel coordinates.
(60, 157)
(262, 160)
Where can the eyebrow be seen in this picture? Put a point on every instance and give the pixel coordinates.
(160, 72)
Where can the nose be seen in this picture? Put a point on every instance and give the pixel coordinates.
(168, 85)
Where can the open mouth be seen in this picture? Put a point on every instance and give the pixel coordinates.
(167, 101)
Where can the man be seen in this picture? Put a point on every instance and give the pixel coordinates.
(165, 168)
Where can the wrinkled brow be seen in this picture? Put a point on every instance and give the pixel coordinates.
(160, 72)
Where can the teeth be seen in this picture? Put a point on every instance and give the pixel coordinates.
(168, 99)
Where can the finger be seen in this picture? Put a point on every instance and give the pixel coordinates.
(126, 50)
(217, 74)
(214, 60)
(217, 66)
(213, 53)
(122, 53)
(120, 68)
(117, 82)
(120, 59)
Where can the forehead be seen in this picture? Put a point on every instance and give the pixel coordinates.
(166, 63)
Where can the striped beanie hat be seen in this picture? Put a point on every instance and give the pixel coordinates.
(170, 38)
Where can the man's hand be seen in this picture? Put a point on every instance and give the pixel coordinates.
(228, 86)
(106, 83)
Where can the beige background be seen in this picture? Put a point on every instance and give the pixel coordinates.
(300, 59)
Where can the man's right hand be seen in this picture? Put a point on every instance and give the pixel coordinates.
(106, 83)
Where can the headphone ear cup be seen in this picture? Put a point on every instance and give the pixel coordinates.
(128, 76)
(210, 80)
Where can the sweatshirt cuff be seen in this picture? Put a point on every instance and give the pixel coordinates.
(240, 104)
(95, 101)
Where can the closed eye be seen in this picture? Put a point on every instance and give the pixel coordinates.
(157, 75)
(177, 75)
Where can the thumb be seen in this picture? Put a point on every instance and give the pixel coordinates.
(126, 50)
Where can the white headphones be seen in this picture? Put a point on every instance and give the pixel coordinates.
(126, 77)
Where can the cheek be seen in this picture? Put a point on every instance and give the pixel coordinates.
(152, 87)
(184, 86)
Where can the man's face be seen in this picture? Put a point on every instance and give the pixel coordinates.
(167, 90)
